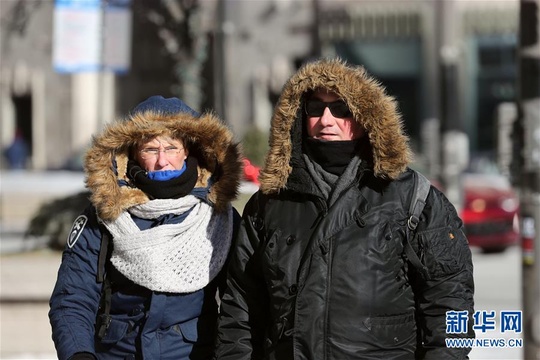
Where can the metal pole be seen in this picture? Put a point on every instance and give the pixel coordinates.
(100, 74)
(219, 61)
(455, 142)
(528, 129)
(316, 50)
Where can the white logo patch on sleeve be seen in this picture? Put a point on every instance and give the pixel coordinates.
(76, 230)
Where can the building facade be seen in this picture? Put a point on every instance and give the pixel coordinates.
(450, 64)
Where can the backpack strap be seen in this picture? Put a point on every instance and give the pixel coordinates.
(103, 253)
(418, 201)
(421, 191)
(103, 319)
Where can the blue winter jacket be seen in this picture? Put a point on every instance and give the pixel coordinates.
(168, 326)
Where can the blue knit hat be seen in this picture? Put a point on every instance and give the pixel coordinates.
(168, 106)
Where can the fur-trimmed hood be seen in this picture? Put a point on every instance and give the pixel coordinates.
(370, 105)
(220, 163)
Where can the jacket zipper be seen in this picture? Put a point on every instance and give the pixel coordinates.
(322, 208)
(330, 254)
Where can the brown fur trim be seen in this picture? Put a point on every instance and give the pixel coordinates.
(208, 138)
(371, 106)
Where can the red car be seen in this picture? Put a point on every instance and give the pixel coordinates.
(490, 212)
(251, 172)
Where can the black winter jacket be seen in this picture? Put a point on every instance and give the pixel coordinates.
(311, 282)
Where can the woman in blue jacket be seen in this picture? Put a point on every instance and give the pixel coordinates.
(161, 184)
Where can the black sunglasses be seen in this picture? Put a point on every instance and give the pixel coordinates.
(338, 108)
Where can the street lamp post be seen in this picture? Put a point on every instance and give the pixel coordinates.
(528, 134)
(455, 142)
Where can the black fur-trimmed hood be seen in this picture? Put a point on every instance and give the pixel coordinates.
(370, 105)
(211, 143)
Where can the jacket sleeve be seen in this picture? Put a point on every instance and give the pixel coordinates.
(75, 298)
(242, 311)
(445, 251)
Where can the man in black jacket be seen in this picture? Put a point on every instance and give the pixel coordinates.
(320, 269)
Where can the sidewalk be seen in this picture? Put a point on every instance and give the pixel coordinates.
(27, 276)
(26, 283)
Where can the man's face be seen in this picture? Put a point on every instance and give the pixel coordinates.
(331, 121)
(162, 154)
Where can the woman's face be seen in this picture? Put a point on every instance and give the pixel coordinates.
(162, 154)
(329, 124)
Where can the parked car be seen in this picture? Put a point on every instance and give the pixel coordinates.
(491, 207)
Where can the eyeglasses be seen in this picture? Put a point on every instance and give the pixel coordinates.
(338, 108)
(153, 153)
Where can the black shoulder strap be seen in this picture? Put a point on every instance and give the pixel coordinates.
(103, 253)
(418, 201)
(421, 191)
(103, 318)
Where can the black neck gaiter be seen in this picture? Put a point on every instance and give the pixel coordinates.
(170, 189)
(332, 156)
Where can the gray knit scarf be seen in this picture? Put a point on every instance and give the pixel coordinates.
(172, 258)
(329, 185)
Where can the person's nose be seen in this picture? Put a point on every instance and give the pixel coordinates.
(327, 119)
(162, 159)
